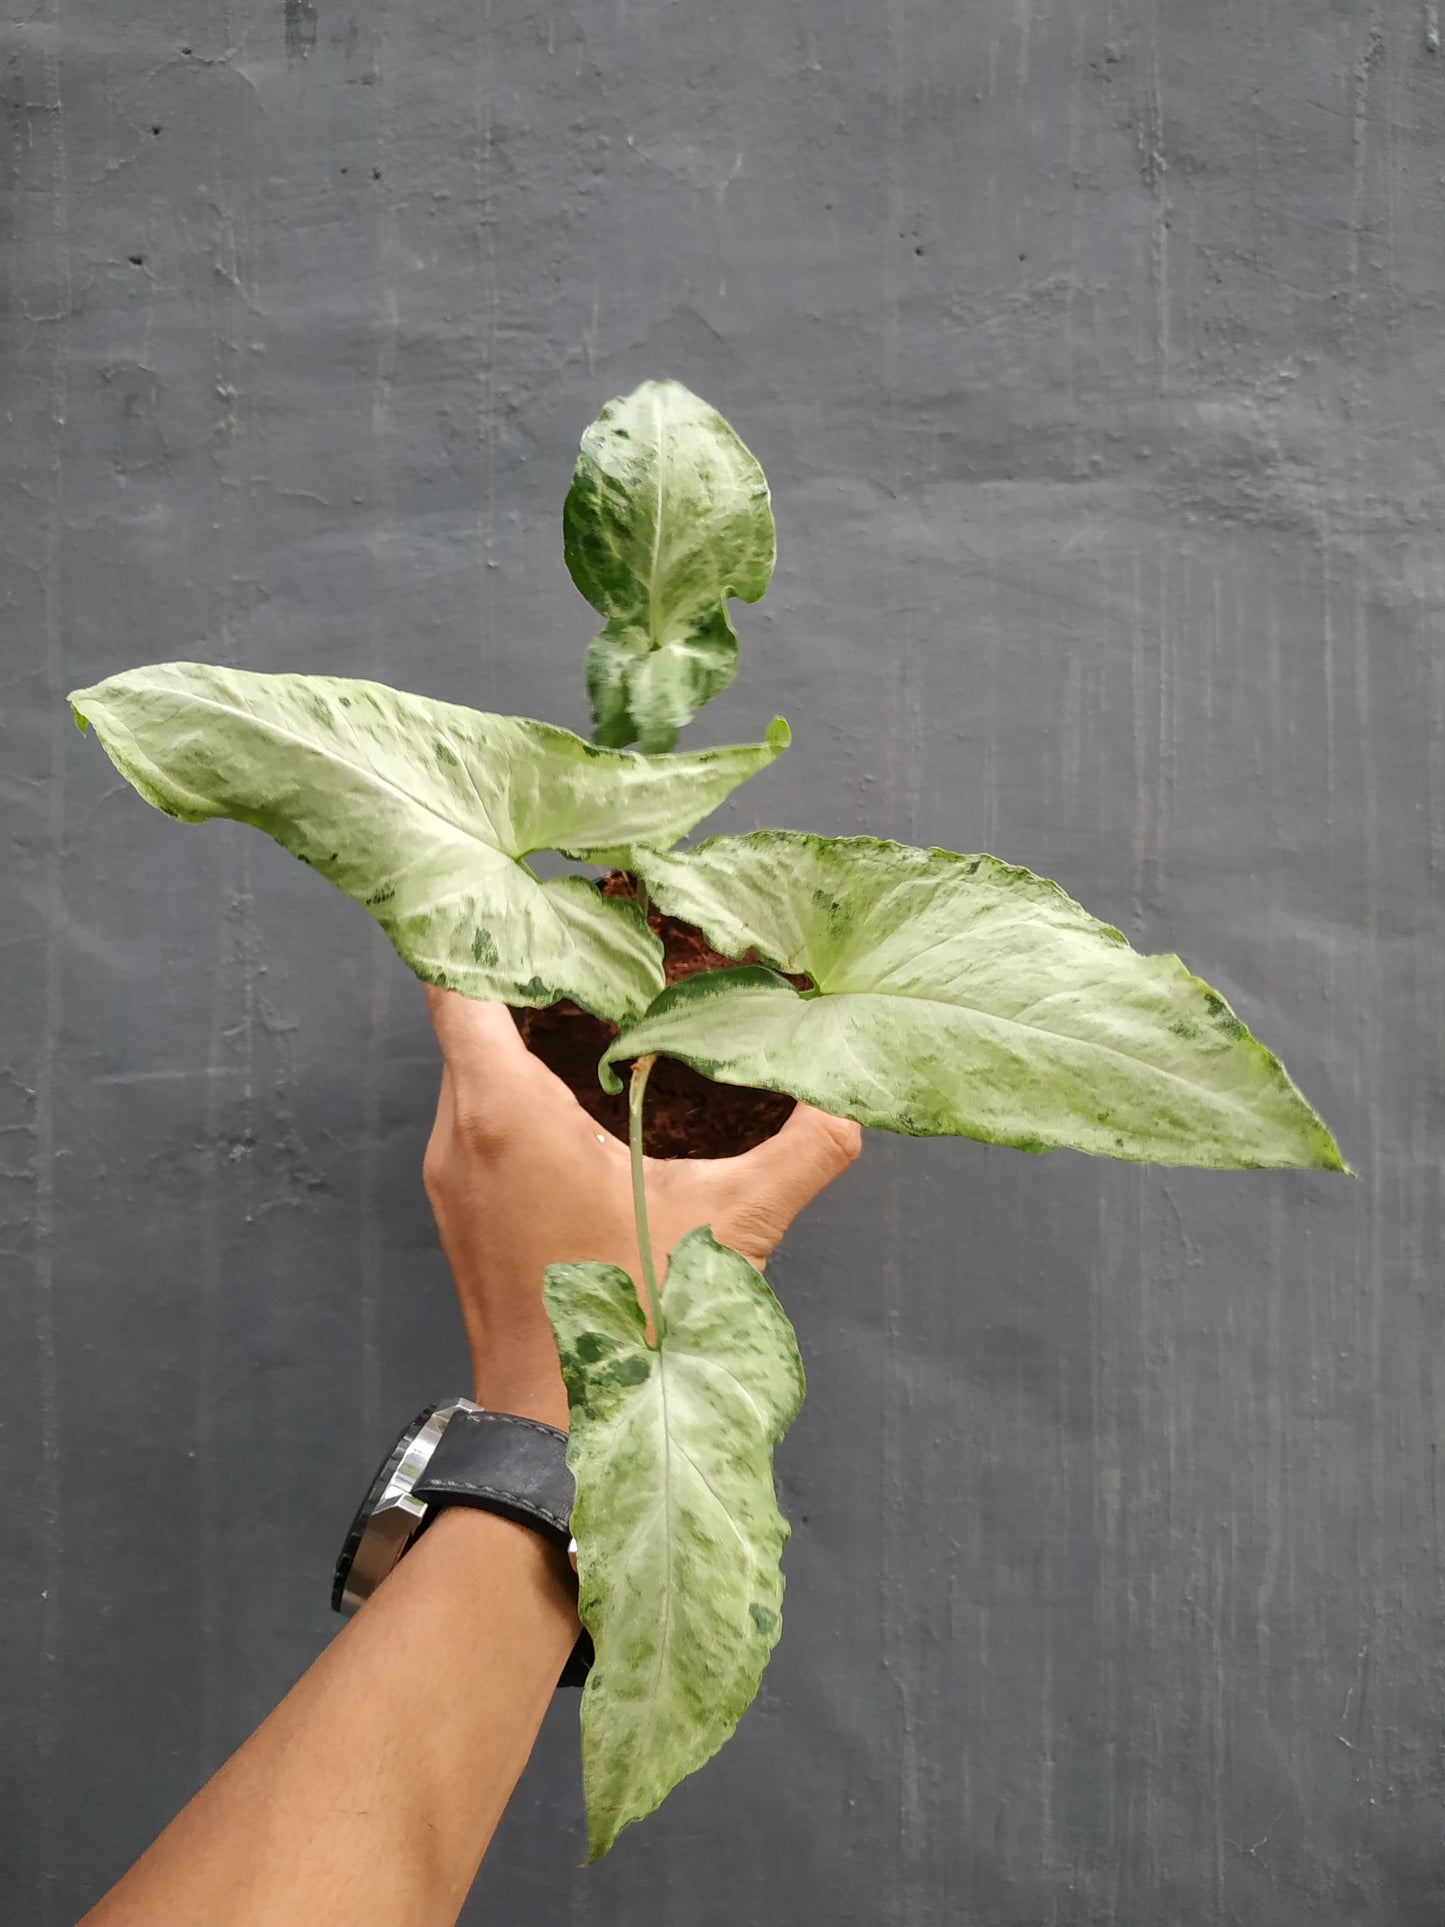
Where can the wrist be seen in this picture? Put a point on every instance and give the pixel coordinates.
(529, 1387)
(465, 1537)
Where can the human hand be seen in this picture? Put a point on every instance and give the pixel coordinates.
(520, 1177)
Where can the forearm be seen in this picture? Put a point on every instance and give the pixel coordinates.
(372, 1790)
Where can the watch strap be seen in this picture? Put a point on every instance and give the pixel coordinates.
(513, 1466)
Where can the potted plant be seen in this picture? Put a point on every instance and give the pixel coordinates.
(915, 990)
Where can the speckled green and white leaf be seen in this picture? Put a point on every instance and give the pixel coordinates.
(678, 1530)
(423, 812)
(959, 995)
(667, 516)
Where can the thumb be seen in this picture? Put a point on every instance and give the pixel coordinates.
(771, 1183)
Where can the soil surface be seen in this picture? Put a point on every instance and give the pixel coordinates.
(686, 1115)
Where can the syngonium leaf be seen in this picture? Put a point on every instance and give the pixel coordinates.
(678, 1531)
(955, 994)
(424, 812)
(667, 517)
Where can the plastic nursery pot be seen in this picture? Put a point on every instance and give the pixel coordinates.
(687, 1116)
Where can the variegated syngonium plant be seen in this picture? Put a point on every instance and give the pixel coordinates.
(945, 994)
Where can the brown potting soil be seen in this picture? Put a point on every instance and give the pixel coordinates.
(686, 1114)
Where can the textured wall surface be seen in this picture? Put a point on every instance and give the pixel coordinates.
(1095, 355)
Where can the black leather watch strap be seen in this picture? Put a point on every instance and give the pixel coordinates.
(514, 1466)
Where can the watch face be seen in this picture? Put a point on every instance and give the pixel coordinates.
(385, 1473)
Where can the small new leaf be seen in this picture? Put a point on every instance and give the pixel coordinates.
(678, 1530)
(955, 994)
(423, 812)
(668, 515)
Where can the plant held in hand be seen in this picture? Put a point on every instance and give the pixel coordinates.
(915, 991)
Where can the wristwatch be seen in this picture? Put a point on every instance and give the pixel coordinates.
(461, 1454)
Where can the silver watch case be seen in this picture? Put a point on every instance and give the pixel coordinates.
(391, 1516)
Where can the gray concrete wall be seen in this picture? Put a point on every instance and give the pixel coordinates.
(1095, 355)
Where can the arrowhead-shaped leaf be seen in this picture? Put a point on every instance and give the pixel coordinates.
(666, 518)
(955, 994)
(678, 1532)
(424, 812)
